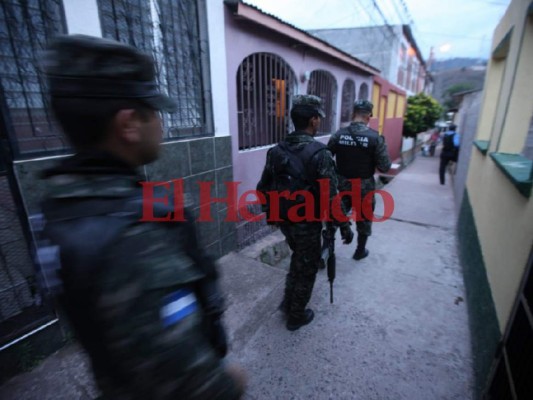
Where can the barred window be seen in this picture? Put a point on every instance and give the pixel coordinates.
(174, 32)
(348, 98)
(25, 28)
(129, 21)
(363, 92)
(323, 84)
(265, 86)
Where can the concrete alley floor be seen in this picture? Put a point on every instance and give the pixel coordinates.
(398, 328)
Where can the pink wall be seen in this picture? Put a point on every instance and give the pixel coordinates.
(392, 127)
(244, 38)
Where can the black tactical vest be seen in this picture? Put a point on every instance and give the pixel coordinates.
(447, 142)
(354, 152)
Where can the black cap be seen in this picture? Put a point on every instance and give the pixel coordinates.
(80, 66)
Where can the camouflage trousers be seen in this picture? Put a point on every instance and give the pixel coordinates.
(304, 241)
(364, 225)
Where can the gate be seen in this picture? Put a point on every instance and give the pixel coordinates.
(27, 131)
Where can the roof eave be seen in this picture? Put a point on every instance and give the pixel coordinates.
(407, 32)
(255, 15)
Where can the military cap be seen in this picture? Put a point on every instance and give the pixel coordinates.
(363, 105)
(81, 66)
(309, 101)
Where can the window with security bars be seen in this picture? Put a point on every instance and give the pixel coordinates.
(128, 21)
(25, 28)
(174, 32)
(363, 92)
(323, 84)
(265, 86)
(348, 98)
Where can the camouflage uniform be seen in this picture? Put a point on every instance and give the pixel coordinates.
(357, 162)
(347, 170)
(358, 151)
(134, 292)
(117, 307)
(303, 238)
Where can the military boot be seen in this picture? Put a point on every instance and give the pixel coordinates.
(296, 323)
(361, 252)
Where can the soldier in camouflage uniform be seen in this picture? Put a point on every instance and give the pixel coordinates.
(141, 297)
(303, 237)
(358, 151)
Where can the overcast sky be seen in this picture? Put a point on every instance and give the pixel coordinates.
(454, 28)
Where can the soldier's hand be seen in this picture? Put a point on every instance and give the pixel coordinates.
(346, 234)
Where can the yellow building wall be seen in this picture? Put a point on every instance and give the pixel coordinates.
(376, 94)
(391, 104)
(521, 101)
(504, 222)
(493, 82)
(400, 108)
(503, 216)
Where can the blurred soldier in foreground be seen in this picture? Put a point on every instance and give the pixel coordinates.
(142, 297)
(358, 151)
(293, 165)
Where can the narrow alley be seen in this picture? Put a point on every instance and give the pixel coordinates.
(398, 328)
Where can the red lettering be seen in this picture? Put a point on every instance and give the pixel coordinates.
(356, 199)
(336, 208)
(388, 206)
(308, 206)
(325, 188)
(244, 203)
(179, 208)
(355, 194)
(273, 204)
(206, 200)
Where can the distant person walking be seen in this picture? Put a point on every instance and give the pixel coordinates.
(450, 151)
(433, 141)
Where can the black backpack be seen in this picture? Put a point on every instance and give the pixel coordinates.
(293, 171)
(448, 147)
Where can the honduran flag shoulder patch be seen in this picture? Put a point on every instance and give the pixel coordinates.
(178, 305)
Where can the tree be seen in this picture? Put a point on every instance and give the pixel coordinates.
(422, 113)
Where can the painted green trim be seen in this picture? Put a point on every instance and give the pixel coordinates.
(518, 169)
(482, 146)
(484, 328)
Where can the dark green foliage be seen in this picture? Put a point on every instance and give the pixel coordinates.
(422, 113)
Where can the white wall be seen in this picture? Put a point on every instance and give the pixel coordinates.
(82, 17)
(217, 55)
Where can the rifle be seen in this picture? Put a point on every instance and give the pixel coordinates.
(327, 256)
